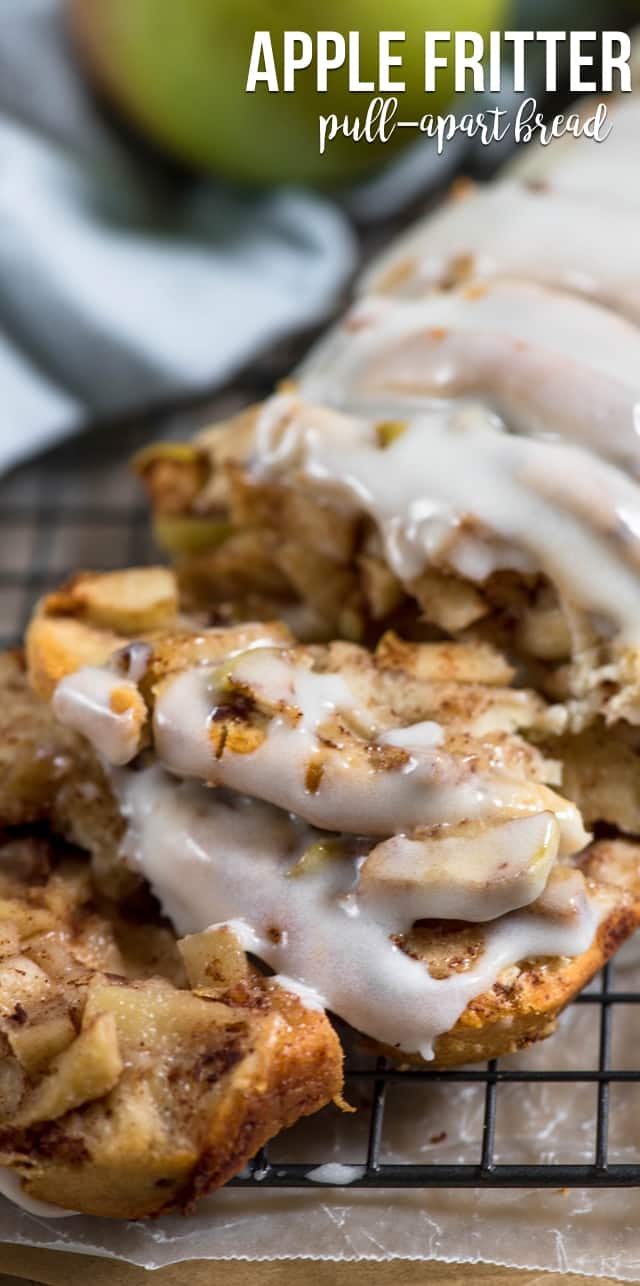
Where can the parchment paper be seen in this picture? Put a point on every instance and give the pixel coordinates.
(593, 1232)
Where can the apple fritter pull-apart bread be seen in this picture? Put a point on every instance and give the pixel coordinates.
(360, 739)
(382, 828)
(459, 456)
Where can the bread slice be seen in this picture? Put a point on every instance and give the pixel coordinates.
(137, 1072)
(466, 685)
(250, 539)
(463, 687)
(525, 1002)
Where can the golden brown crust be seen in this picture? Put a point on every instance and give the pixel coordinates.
(523, 1005)
(93, 614)
(55, 645)
(124, 1090)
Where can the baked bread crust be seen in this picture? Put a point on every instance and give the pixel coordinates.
(136, 1074)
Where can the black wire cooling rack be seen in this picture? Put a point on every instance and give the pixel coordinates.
(77, 507)
(486, 1172)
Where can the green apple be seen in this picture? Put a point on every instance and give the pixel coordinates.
(177, 69)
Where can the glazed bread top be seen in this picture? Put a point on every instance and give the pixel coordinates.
(460, 453)
(356, 795)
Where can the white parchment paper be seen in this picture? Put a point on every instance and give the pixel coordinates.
(592, 1231)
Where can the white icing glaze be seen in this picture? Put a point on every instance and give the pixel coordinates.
(215, 857)
(608, 179)
(455, 490)
(430, 787)
(133, 660)
(334, 1172)
(473, 875)
(84, 701)
(510, 230)
(549, 364)
(11, 1188)
(308, 996)
(415, 736)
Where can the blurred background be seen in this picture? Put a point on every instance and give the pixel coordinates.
(169, 243)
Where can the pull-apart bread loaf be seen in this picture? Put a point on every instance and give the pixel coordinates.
(458, 459)
(381, 828)
(460, 455)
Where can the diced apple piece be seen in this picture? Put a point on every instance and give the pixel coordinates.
(445, 662)
(447, 601)
(316, 577)
(388, 431)
(564, 896)
(58, 645)
(139, 598)
(154, 1017)
(178, 453)
(472, 874)
(183, 534)
(21, 983)
(543, 632)
(311, 520)
(176, 651)
(173, 473)
(27, 920)
(382, 590)
(315, 857)
(214, 958)
(85, 1071)
(36, 1044)
(9, 939)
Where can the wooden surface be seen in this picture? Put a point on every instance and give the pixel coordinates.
(77, 1270)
